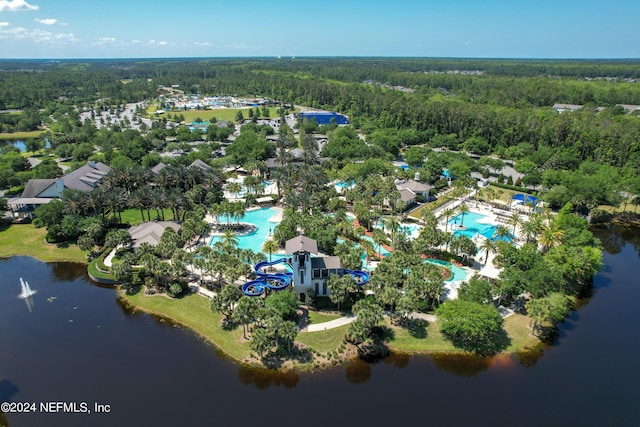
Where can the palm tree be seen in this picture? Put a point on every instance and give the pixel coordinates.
(551, 236)
(270, 246)
(401, 241)
(463, 209)
(529, 230)
(234, 188)
(429, 218)
(229, 239)
(489, 246)
(392, 223)
(379, 237)
(501, 232)
(447, 213)
(514, 220)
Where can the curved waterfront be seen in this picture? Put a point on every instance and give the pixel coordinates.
(83, 345)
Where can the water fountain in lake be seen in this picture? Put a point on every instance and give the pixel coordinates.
(26, 293)
(26, 290)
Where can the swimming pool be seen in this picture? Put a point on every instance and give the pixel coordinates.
(380, 249)
(342, 185)
(260, 218)
(459, 274)
(412, 230)
(472, 225)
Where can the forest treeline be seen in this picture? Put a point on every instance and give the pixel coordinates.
(497, 104)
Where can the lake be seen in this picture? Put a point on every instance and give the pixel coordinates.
(79, 344)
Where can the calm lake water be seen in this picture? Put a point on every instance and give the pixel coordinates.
(78, 344)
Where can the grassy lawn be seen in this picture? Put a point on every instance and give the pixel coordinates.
(503, 194)
(610, 209)
(431, 339)
(318, 317)
(133, 217)
(25, 239)
(228, 114)
(20, 135)
(93, 270)
(422, 339)
(193, 312)
(517, 328)
(324, 341)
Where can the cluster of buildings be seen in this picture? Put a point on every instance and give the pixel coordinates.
(628, 108)
(175, 99)
(39, 192)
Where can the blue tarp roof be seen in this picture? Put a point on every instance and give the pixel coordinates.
(324, 117)
(521, 197)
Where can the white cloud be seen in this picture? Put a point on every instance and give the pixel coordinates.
(156, 43)
(16, 5)
(37, 35)
(47, 21)
(203, 44)
(107, 39)
(242, 47)
(4, 24)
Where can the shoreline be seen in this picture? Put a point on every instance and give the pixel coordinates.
(317, 365)
(220, 349)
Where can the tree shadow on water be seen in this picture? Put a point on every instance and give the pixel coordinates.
(263, 378)
(462, 365)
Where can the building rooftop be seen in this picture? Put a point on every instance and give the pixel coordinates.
(328, 262)
(301, 244)
(36, 186)
(415, 186)
(87, 177)
(150, 232)
(200, 164)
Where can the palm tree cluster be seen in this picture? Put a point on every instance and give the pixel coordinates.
(231, 211)
(176, 188)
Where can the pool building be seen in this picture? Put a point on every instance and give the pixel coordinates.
(310, 273)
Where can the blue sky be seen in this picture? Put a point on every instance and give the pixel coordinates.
(196, 28)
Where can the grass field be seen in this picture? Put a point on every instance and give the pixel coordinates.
(228, 114)
(316, 317)
(429, 338)
(20, 135)
(25, 239)
(324, 341)
(630, 208)
(133, 217)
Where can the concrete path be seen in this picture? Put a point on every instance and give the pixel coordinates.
(109, 258)
(331, 324)
(196, 288)
(504, 312)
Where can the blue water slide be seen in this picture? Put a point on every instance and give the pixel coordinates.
(254, 288)
(274, 281)
(361, 277)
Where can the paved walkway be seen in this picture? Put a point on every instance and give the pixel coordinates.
(331, 324)
(504, 312)
(109, 258)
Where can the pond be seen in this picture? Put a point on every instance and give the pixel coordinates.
(80, 344)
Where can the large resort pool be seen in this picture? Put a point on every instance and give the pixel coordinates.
(264, 219)
(474, 224)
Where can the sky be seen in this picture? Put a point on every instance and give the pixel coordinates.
(287, 28)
